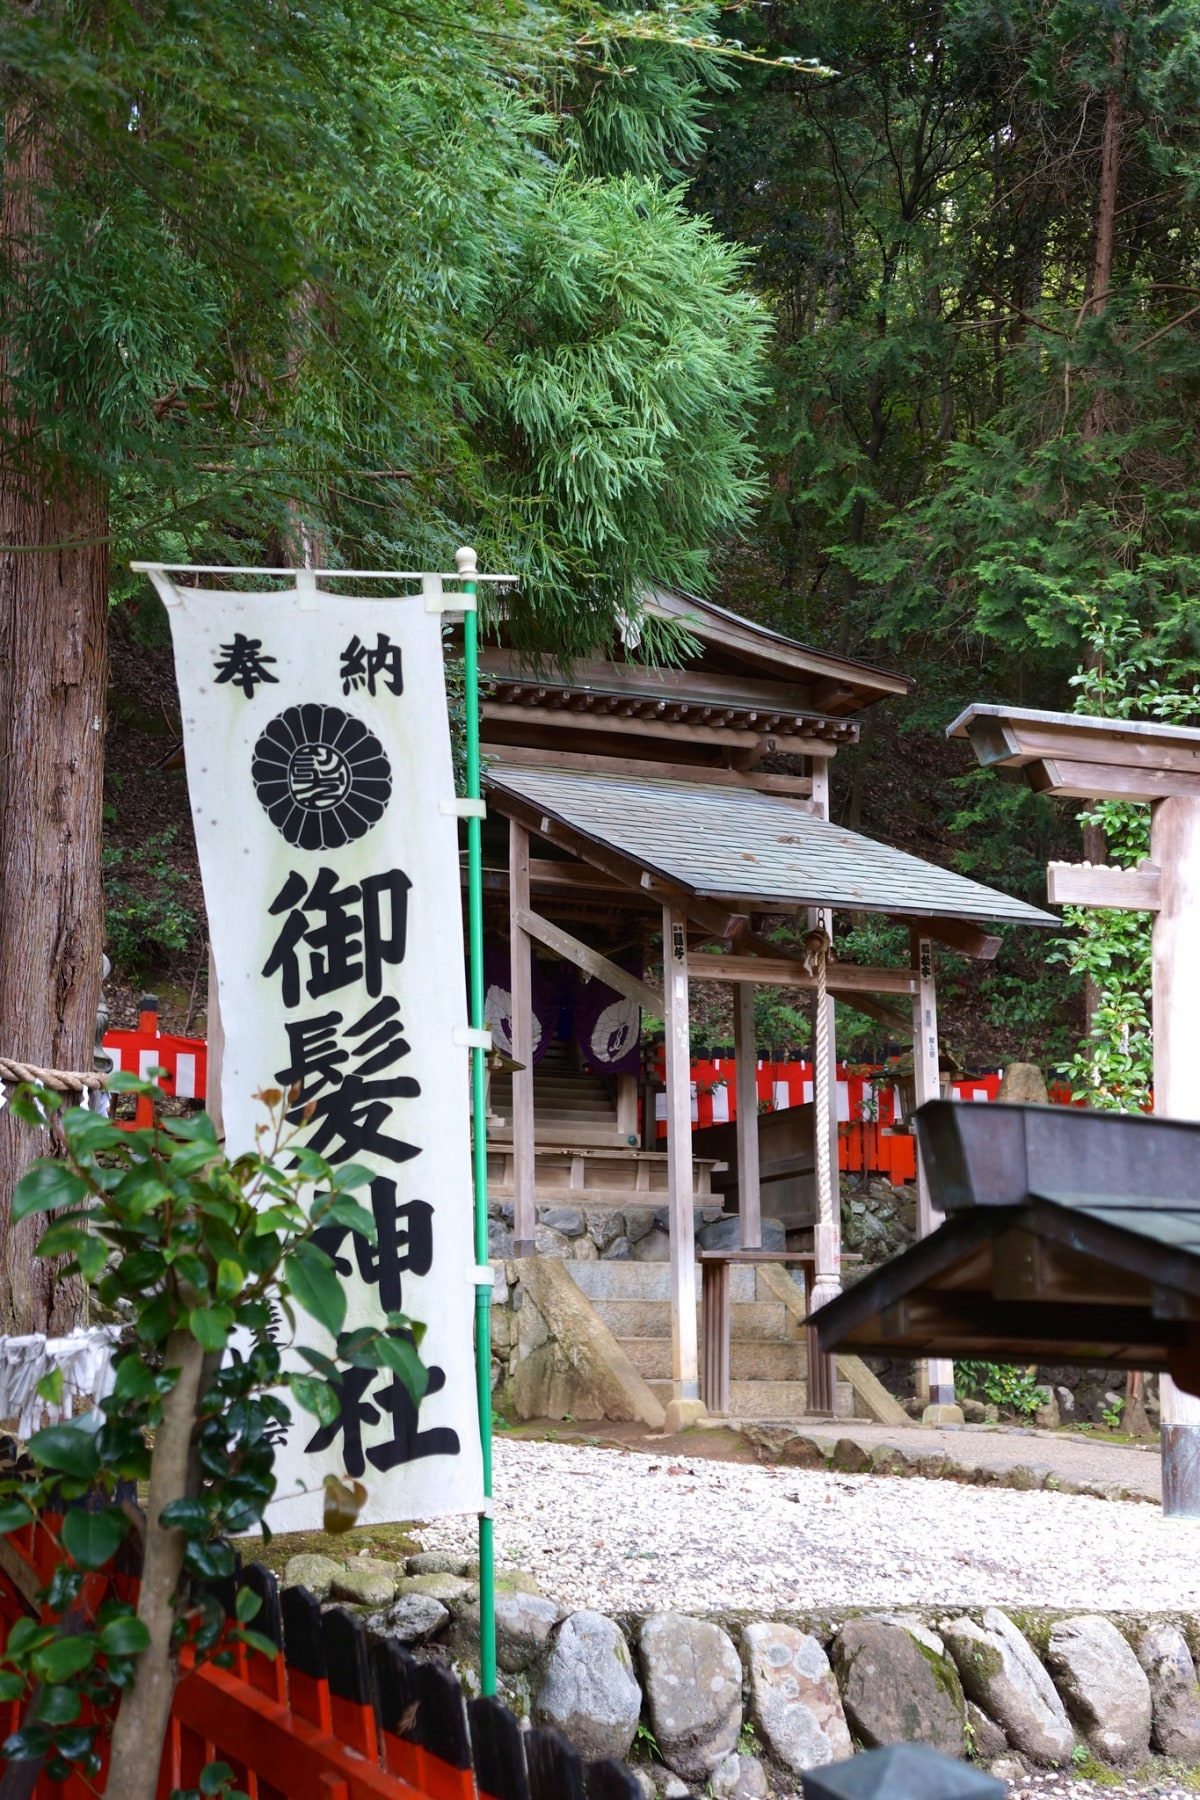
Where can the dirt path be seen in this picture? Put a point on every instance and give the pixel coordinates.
(996, 1447)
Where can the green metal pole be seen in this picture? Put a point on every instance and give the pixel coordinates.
(483, 1294)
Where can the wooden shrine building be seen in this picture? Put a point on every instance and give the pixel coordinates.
(638, 812)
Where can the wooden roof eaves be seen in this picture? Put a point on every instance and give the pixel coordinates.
(915, 1272)
(676, 708)
(771, 649)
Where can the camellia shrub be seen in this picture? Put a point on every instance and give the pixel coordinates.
(203, 1261)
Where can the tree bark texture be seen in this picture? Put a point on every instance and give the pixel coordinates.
(53, 679)
(141, 1726)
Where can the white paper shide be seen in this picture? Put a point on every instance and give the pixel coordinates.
(318, 761)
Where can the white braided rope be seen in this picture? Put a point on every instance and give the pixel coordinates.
(821, 1090)
(826, 1274)
(63, 1081)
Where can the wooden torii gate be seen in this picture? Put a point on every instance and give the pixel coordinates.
(1080, 757)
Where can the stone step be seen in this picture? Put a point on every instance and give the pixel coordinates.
(651, 1357)
(784, 1401)
(759, 1319)
(649, 1281)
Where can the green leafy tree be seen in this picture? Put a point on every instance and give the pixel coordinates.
(980, 240)
(292, 285)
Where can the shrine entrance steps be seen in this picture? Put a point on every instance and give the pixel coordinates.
(767, 1352)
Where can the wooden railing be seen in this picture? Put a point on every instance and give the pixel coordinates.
(335, 1715)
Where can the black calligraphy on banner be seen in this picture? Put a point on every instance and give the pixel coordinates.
(361, 667)
(349, 1106)
(344, 1074)
(403, 1243)
(345, 934)
(355, 1410)
(403, 1246)
(243, 664)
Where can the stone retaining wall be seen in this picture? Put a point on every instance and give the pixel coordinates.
(740, 1705)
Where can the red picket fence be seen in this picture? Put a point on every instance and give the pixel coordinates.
(868, 1107)
(185, 1060)
(336, 1715)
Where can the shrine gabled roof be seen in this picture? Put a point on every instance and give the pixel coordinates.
(737, 844)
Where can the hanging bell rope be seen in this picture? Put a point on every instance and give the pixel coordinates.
(826, 1277)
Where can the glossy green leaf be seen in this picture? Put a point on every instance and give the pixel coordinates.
(93, 1537)
(91, 1255)
(211, 1325)
(352, 1175)
(14, 1515)
(68, 1448)
(316, 1397)
(50, 1387)
(47, 1187)
(33, 1104)
(400, 1356)
(12, 1686)
(230, 1279)
(339, 1209)
(314, 1285)
(124, 1637)
(186, 1515)
(63, 1657)
(248, 1605)
(139, 1190)
(58, 1706)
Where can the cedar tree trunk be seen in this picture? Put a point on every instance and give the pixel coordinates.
(53, 678)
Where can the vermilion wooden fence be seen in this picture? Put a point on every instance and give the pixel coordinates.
(336, 1715)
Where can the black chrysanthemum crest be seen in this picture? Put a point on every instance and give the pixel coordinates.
(323, 779)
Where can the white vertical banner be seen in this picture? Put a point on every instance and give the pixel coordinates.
(320, 776)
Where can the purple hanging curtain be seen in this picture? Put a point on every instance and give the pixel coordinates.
(608, 1027)
(497, 1001)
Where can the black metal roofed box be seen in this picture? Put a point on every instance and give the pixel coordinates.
(1071, 1236)
(999, 1155)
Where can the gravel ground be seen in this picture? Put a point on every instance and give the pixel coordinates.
(1060, 1786)
(615, 1531)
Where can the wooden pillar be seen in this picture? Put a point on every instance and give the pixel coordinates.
(820, 918)
(520, 951)
(214, 1033)
(745, 1051)
(685, 1406)
(827, 1232)
(1175, 848)
(938, 1371)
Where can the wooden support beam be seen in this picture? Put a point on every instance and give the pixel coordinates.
(496, 712)
(685, 1363)
(1175, 850)
(956, 934)
(525, 756)
(589, 960)
(1097, 884)
(1078, 780)
(521, 1015)
(745, 1051)
(787, 971)
(927, 1084)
